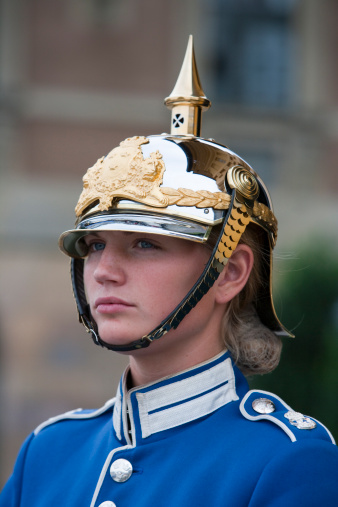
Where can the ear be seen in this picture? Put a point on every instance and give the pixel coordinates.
(235, 274)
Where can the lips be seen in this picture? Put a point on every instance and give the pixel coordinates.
(111, 305)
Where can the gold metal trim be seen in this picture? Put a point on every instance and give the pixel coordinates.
(236, 225)
(245, 184)
(187, 100)
(124, 173)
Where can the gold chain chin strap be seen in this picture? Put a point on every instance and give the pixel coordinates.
(245, 192)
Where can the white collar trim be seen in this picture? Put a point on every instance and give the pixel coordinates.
(182, 401)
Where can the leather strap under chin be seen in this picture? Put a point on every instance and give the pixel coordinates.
(235, 222)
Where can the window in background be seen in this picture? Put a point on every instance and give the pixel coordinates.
(252, 46)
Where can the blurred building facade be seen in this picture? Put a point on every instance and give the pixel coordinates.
(79, 76)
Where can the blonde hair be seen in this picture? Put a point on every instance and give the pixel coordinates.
(254, 347)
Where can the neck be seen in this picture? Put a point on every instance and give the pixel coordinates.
(157, 363)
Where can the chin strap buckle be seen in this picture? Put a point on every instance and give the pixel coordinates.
(89, 328)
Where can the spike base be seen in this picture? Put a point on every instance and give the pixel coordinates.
(186, 120)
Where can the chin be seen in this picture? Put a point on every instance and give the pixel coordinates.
(118, 336)
(117, 339)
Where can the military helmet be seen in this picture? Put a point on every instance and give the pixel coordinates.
(179, 185)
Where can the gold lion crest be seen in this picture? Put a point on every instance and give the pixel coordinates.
(124, 173)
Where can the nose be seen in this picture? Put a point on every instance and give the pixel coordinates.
(110, 266)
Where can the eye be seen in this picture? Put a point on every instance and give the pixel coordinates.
(145, 244)
(95, 246)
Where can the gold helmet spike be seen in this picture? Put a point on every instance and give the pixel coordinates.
(187, 100)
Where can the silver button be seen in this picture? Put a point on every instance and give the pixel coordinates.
(107, 504)
(121, 470)
(263, 406)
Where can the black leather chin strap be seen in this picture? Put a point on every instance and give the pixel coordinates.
(234, 225)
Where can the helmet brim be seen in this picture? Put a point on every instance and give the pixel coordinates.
(72, 242)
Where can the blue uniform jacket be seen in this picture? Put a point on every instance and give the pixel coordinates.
(193, 439)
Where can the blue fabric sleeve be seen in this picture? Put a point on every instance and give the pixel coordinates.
(11, 493)
(305, 474)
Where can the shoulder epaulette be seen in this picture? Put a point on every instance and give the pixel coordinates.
(79, 413)
(262, 405)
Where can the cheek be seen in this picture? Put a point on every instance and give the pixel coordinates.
(176, 279)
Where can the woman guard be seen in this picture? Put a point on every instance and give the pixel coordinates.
(171, 264)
